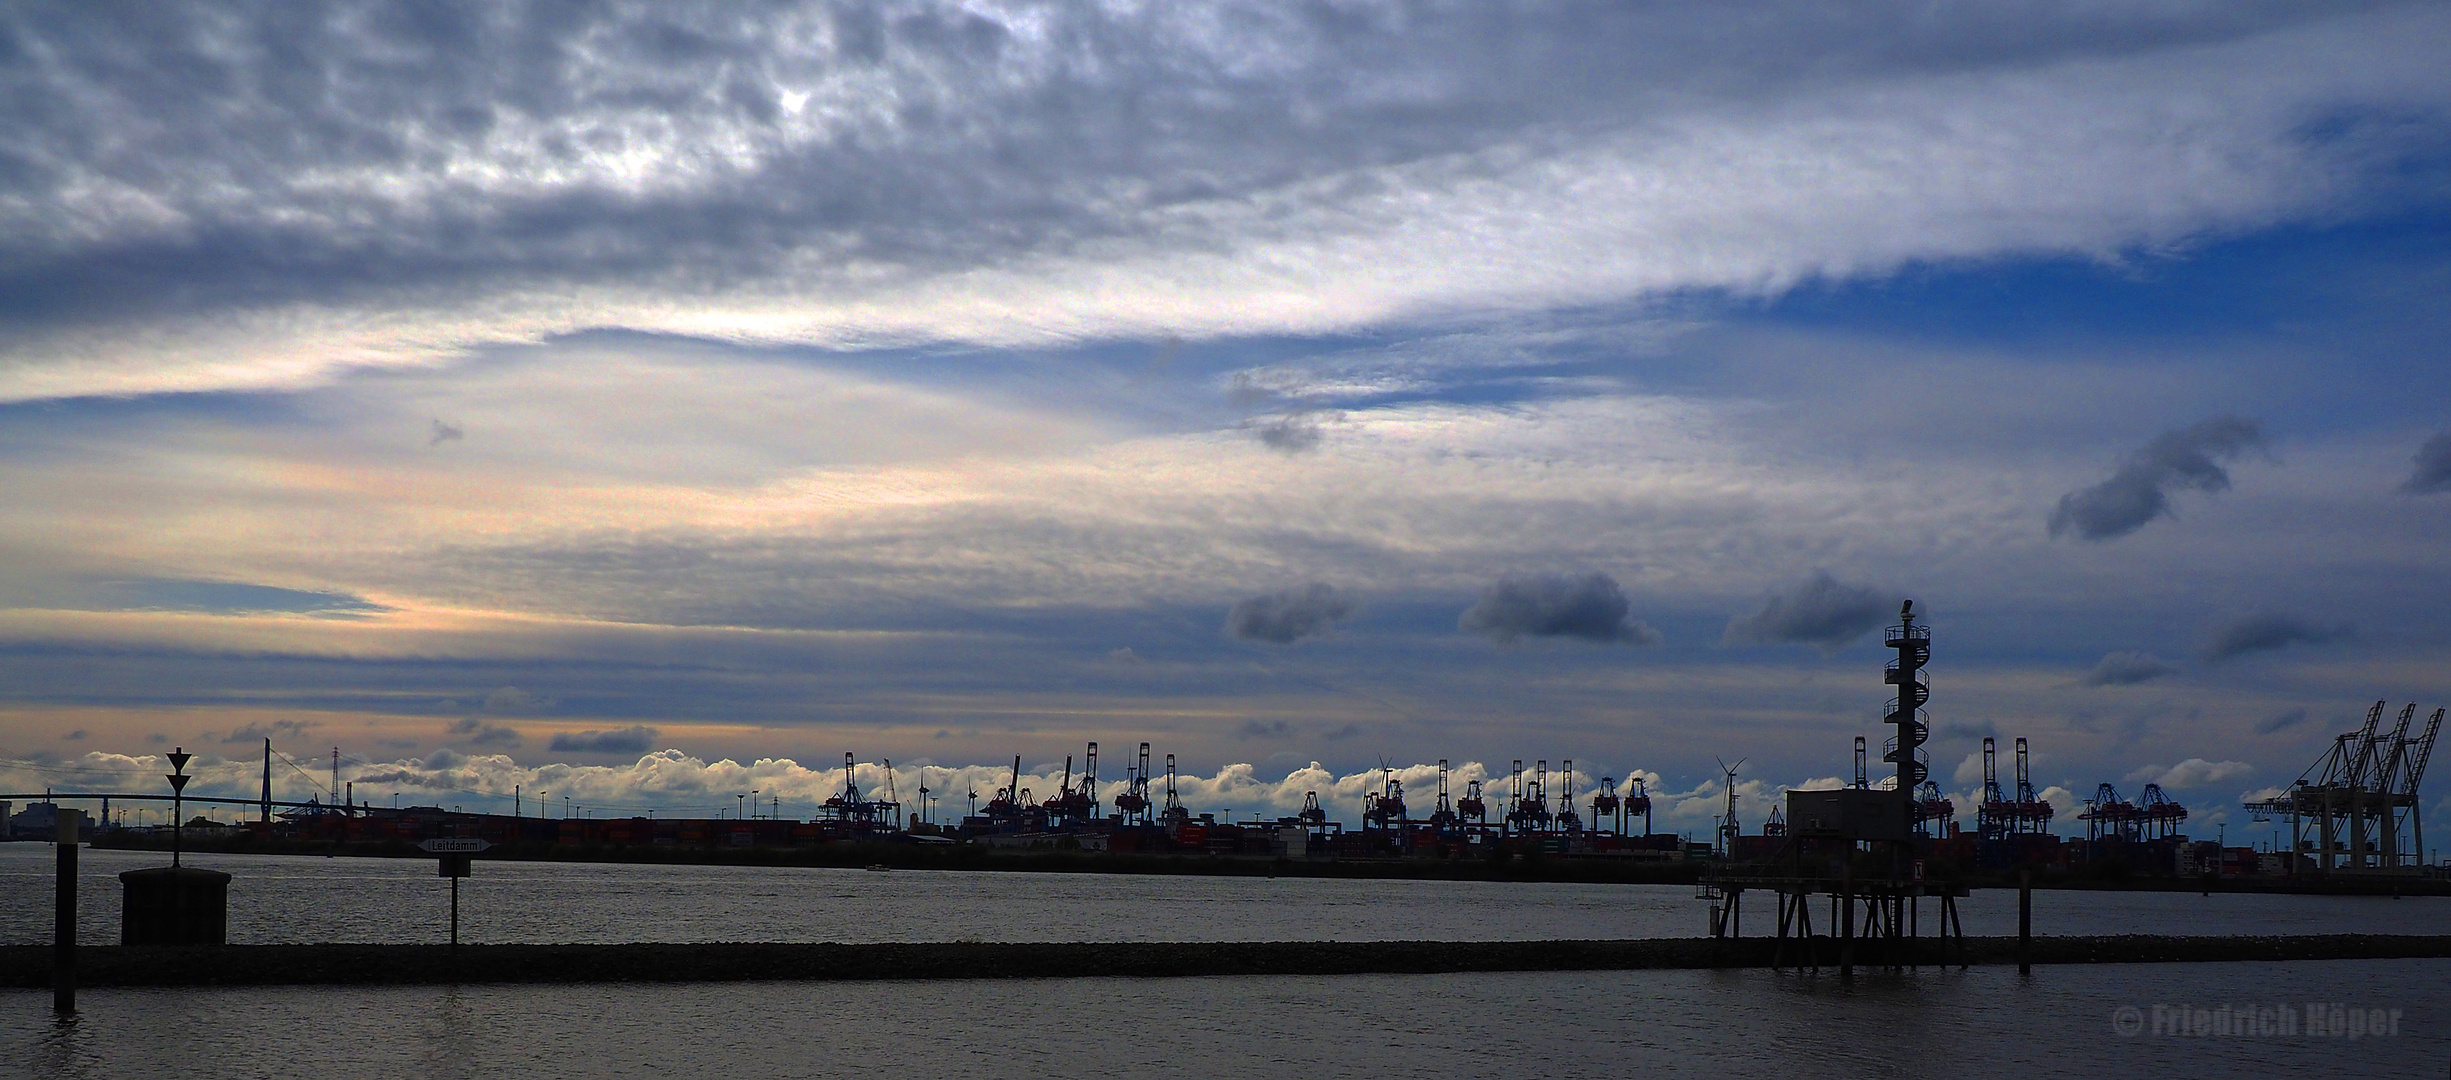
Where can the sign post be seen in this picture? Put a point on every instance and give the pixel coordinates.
(454, 852)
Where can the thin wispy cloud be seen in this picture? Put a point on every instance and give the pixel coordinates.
(2280, 721)
(966, 172)
(1283, 618)
(2127, 669)
(636, 739)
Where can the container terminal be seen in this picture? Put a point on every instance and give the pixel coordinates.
(2354, 814)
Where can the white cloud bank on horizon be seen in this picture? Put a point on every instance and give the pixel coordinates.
(962, 174)
(676, 783)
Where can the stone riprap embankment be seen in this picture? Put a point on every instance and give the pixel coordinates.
(257, 965)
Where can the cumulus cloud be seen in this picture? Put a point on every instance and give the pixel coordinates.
(2432, 474)
(2266, 631)
(672, 782)
(1820, 611)
(2185, 459)
(1969, 771)
(2281, 721)
(1588, 608)
(2127, 669)
(2193, 772)
(2062, 800)
(1283, 618)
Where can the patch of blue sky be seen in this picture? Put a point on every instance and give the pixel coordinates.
(2297, 280)
(223, 598)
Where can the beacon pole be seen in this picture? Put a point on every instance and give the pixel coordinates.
(178, 791)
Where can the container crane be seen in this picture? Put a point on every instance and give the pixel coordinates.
(1443, 817)
(1134, 802)
(1472, 807)
(1174, 814)
(1567, 820)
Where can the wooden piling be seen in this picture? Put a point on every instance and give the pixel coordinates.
(64, 916)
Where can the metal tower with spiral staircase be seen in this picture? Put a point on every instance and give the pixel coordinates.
(1856, 850)
(1905, 749)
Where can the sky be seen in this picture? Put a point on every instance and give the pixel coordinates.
(648, 403)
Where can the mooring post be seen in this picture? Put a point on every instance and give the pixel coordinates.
(64, 916)
(2025, 922)
(1846, 926)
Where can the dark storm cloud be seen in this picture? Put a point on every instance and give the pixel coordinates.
(2266, 631)
(636, 739)
(1289, 434)
(205, 157)
(2433, 467)
(2127, 669)
(2280, 722)
(1287, 617)
(1819, 611)
(2186, 459)
(1588, 608)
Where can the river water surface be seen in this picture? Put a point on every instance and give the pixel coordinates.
(1945, 1025)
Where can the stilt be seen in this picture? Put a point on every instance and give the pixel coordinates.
(1956, 932)
(1778, 952)
(1804, 929)
(1914, 929)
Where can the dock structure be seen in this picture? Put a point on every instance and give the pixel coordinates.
(1876, 919)
(1855, 848)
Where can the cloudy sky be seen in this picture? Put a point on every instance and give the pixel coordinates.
(652, 402)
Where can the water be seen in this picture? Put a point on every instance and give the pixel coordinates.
(1723, 1025)
(290, 899)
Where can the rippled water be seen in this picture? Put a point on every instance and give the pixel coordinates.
(1732, 1024)
(278, 899)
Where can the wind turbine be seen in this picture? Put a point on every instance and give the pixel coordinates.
(1727, 823)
